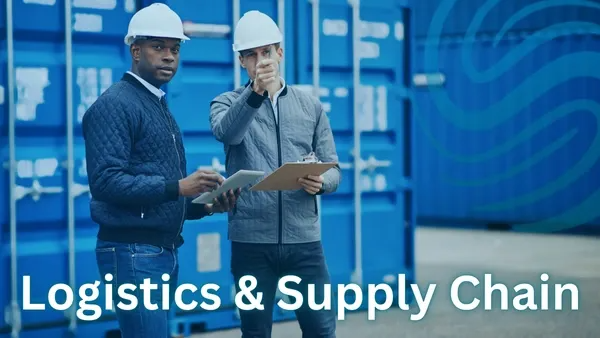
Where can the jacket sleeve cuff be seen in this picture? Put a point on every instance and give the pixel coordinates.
(196, 211)
(255, 99)
(172, 190)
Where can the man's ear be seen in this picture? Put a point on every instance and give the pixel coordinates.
(135, 51)
(241, 61)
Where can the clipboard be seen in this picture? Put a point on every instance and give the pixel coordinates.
(237, 180)
(286, 177)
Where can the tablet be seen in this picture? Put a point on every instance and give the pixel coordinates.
(237, 180)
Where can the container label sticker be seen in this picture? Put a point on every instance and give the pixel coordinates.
(340, 92)
(43, 167)
(381, 108)
(91, 23)
(91, 82)
(365, 107)
(95, 4)
(399, 31)
(206, 30)
(40, 2)
(335, 27)
(368, 50)
(376, 30)
(376, 183)
(380, 182)
(372, 108)
(208, 252)
(82, 169)
(31, 83)
(129, 6)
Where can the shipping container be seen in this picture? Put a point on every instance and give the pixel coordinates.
(507, 131)
(56, 77)
(438, 18)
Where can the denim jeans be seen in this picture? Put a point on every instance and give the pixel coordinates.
(269, 262)
(132, 263)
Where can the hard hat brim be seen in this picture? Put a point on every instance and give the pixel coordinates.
(129, 39)
(254, 44)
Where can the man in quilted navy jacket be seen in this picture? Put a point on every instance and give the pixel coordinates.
(136, 167)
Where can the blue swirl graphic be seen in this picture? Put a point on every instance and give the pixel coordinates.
(535, 85)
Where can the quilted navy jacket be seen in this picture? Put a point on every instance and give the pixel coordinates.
(135, 158)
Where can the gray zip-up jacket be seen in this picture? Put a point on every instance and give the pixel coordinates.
(244, 122)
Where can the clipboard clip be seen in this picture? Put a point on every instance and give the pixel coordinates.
(310, 158)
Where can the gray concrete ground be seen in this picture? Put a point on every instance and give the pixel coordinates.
(511, 258)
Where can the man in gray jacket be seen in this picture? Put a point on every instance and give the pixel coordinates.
(263, 125)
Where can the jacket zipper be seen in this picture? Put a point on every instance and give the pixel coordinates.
(279, 193)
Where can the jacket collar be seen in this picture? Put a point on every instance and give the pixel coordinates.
(159, 93)
(283, 91)
(129, 78)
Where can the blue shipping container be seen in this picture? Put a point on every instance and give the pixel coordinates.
(507, 131)
(380, 193)
(49, 199)
(488, 17)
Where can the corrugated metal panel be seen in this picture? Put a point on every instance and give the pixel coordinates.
(456, 17)
(384, 122)
(510, 135)
(42, 212)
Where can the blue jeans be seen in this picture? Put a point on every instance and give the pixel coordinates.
(267, 263)
(132, 263)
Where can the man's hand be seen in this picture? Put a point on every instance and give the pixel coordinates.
(199, 182)
(223, 203)
(265, 75)
(311, 184)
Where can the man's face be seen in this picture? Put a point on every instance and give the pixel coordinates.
(251, 57)
(157, 59)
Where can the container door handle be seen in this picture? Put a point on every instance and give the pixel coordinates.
(316, 66)
(72, 315)
(237, 72)
(357, 276)
(15, 313)
(281, 24)
(80, 189)
(215, 165)
(36, 191)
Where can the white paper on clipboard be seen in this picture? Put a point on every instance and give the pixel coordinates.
(237, 180)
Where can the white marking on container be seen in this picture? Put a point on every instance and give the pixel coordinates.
(95, 4)
(31, 83)
(208, 252)
(91, 23)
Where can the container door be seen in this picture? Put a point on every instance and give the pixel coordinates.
(355, 57)
(56, 76)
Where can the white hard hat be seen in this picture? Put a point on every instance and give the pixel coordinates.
(255, 29)
(156, 20)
